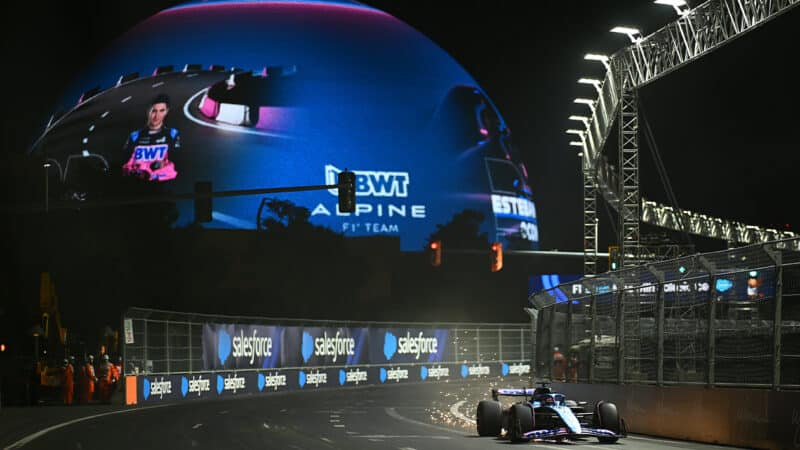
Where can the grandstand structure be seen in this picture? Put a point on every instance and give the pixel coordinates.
(696, 32)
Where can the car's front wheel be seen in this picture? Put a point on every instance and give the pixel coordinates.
(489, 418)
(606, 416)
(520, 421)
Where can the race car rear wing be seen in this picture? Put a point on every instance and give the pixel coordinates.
(523, 392)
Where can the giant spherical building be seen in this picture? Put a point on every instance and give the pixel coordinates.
(262, 94)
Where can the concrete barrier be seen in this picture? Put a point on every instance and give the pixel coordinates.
(753, 418)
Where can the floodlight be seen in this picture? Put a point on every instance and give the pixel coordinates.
(576, 144)
(582, 119)
(597, 57)
(578, 132)
(680, 6)
(585, 101)
(633, 34)
(591, 81)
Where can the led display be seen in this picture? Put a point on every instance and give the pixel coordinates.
(252, 95)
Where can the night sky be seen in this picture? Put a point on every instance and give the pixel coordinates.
(724, 125)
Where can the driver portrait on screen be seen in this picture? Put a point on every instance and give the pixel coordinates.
(149, 147)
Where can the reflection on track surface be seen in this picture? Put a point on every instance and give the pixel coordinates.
(407, 416)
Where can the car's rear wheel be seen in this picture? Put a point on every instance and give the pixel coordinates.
(520, 421)
(606, 416)
(489, 418)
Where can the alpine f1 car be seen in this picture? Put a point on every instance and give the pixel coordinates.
(547, 415)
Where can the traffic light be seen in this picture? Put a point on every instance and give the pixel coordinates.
(46, 324)
(435, 251)
(613, 257)
(497, 256)
(347, 191)
(202, 201)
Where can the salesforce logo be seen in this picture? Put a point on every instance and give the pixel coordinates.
(723, 284)
(316, 378)
(230, 383)
(354, 376)
(389, 345)
(434, 372)
(157, 387)
(250, 346)
(307, 348)
(519, 369)
(474, 371)
(223, 346)
(409, 345)
(195, 385)
(393, 374)
(271, 380)
(335, 346)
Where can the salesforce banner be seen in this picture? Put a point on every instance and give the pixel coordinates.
(409, 345)
(228, 384)
(318, 346)
(237, 347)
(228, 346)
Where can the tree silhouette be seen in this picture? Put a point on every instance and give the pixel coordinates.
(462, 232)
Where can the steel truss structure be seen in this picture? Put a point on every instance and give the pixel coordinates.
(697, 32)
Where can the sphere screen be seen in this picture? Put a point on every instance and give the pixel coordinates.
(252, 95)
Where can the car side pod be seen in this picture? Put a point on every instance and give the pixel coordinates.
(520, 421)
(489, 418)
(607, 417)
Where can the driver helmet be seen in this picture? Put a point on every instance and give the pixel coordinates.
(105, 357)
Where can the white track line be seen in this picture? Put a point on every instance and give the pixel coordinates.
(393, 413)
(40, 433)
(197, 425)
(454, 411)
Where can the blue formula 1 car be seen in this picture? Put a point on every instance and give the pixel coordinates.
(547, 415)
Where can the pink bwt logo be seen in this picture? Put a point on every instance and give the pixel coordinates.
(147, 153)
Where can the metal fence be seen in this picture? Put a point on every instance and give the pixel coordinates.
(724, 318)
(165, 342)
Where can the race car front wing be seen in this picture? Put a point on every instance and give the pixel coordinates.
(564, 431)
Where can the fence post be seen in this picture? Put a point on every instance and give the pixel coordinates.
(144, 362)
(712, 317)
(478, 344)
(568, 329)
(166, 338)
(659, 275)
(500, 344)
(620, 329)
(455, 344)
(593, 339)
(777, 259)
(534, 315)
(190, 347)
(551, 337)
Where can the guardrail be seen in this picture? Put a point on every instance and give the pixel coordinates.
(176, 356)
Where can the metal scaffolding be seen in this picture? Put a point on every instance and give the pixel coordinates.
(697, 32)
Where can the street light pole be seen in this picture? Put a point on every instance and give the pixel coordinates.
(46, 187)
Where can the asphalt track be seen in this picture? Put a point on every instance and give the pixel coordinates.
(398, 417)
